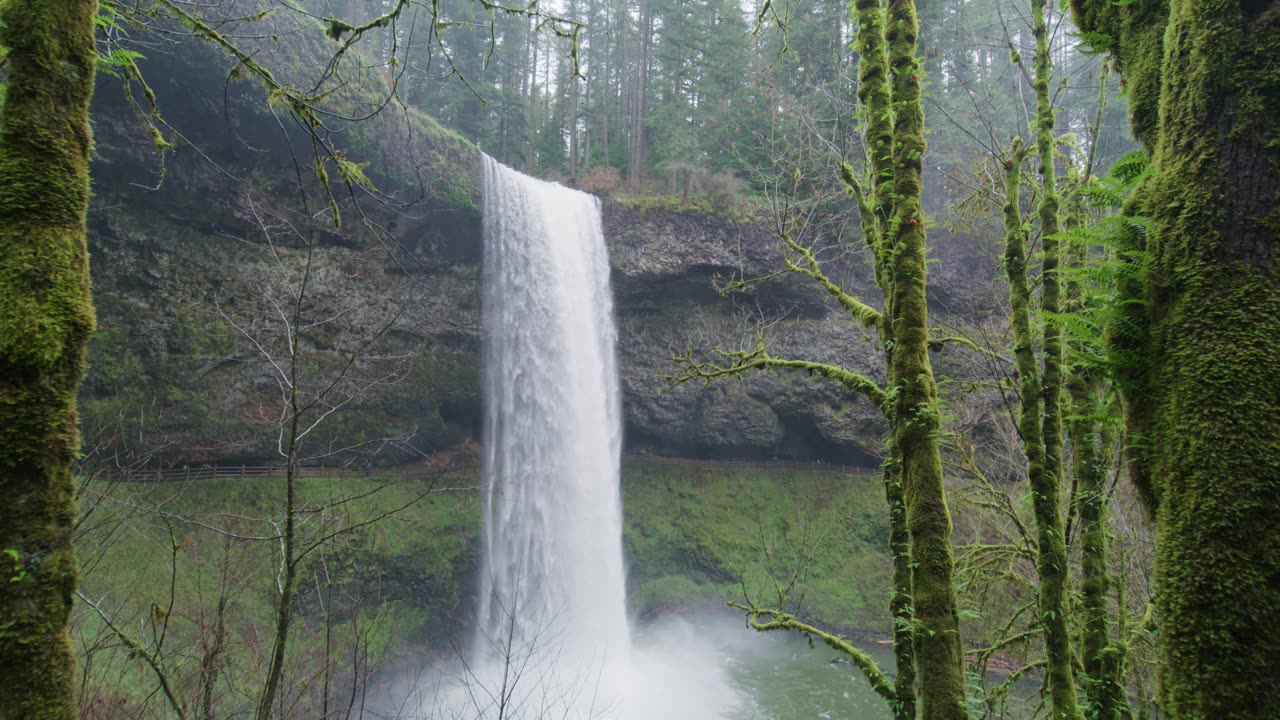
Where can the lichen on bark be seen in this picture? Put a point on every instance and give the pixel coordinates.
(916, 418)
(1051, 561)
(46, 316)
(876, 95)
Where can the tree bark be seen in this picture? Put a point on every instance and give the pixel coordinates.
(1102, 659)
(46, 318)
(640, 88)
(1204, 402)
(917, 416)
(1051, 560)
(875, 94)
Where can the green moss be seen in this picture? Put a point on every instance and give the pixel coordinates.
(876, 96)
(673, 593)
(1102, 659)
(915, 418)
(1134, 33)
(1205, 407)
(715, 529)
(1051, 561)
(46, 317)
(692, 536)
(395, 579)
(1217, 424)
(446, 164)
(879, 224)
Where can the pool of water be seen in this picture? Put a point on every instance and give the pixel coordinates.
(780, 678)
(771, 676)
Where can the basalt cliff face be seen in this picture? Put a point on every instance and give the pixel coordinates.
(229, 286)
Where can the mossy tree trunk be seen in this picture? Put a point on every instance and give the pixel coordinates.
(46, 317)
(1045, 476)
(1206, 403)
(875, 94)
(927, 641)
(916, 416)
(1092, 431)
(1051, 558)
(1103, 660)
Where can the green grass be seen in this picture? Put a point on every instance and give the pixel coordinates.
(747, 210)
(699, 536)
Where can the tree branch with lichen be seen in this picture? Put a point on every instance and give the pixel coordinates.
(778, 620)
(810, 268)
(736, 363)
(799, 259)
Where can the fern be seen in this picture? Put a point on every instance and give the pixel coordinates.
(114, 60)
(1131, 168)
(1114, 246)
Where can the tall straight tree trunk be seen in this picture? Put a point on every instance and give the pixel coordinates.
(875, 94)
(1204, 403)
(1051, 559)
(572, 120)
(1093, 441)
(617, 100)
(917, 416)
(640, 88)
(531, 98)
(46, 317)
(1103, 660)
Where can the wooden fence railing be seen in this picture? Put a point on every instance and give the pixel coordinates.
(209, 472)
(754, 464)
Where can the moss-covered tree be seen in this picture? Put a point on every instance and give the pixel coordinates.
(1093, 420)
(927, 644)
(917, 417)
(1041, 388)
(876, 96)
(46, 316)
(1202, 385)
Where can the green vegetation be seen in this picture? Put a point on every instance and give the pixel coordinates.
(184, 583)
(706, 536)
(729, 208)
(694, 538)
(189, 572)
(1203, 411)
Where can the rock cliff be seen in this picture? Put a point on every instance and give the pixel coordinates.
(198, 283)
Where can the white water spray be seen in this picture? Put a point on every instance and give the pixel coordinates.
(552, 636)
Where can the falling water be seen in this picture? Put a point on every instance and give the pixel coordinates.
(552, 636)
(553, 588)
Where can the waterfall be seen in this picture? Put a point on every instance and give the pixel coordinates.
(552, 637)
(552, 590)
